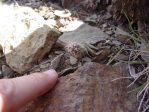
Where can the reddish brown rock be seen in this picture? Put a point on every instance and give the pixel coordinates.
(89, 89)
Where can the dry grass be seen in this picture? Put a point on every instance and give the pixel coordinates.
(143, 89)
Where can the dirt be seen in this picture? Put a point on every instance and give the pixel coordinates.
(101, 19)
(116, 50)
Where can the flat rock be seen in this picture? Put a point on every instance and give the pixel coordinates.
(89, 89)
(77, 42)
(24, 37)
(84, 34)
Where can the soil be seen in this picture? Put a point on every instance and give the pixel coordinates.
(119, 48)
(101, 19)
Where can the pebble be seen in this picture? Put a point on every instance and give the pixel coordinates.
(73, 60)
(105, 25)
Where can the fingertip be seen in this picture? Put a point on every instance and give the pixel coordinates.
(40, 82)
(52, 74)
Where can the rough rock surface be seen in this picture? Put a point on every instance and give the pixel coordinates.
(79, 43)
(89, 89)
(84, 34)
(123, 36)
(26, 38)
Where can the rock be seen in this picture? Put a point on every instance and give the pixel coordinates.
(45, 12)
(26, 38)
(62, 14)
(109, 33)
(86, 59)
(80, 42)
(44, 66)
(120, 31)
(92, 19)
(72, 25)
(122, 57)
(73, 60)
(123, 36)
(84, 34)
(89, 89)
(102, 55)
(7, 71)
(105, 25)
(56, 61)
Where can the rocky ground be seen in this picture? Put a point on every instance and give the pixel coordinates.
(65, 36)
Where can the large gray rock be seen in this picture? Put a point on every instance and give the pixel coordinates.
(78, 42)
(84, 34)
(24, 37)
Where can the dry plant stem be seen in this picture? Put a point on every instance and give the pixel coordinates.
(134, 90)
(146, 70)
(115, 56)
(129, 67)
(142, 51)
(121, 78)
(137, 55)
(145, 110)
(141, 92)
(141, 102)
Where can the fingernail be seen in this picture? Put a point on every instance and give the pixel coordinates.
(51, 72)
